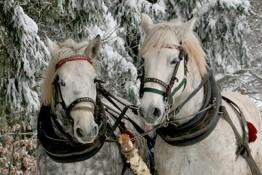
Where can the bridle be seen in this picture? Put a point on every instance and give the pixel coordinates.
(168, 93)
(59, 82)
(57, 143)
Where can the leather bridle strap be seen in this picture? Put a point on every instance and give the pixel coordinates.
(80, 100)
(168, 87)
(155, 80)
(154, 90)
(73, 58)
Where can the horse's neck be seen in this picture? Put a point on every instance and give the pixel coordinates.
(194, 104)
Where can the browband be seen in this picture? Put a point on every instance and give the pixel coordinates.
(73, 58)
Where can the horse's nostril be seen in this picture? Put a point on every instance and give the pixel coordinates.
(141, 112)
(157, 112)
(94, 131)
(79, 132)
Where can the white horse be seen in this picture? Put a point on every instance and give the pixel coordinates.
(165, 100)
(75, 132)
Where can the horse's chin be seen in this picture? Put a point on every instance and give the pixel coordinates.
(151, 125)
(86, 141)
(148, 126)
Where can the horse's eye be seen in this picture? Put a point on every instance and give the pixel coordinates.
(174, 61)
(61, 82)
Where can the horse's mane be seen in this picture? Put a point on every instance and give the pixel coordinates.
(165, 33)
(66, 49)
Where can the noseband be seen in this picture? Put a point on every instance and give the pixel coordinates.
(168, 93)
(58, 83)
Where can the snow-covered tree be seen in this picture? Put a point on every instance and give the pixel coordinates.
(24, 56)
(221, 27)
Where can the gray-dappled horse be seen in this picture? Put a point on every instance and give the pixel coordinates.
(199, 131)
(73, 126)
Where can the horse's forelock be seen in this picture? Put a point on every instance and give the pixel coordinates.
(67, 48)
(165, 33)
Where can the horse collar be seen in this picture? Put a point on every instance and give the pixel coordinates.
(63, 148)
(201, 125)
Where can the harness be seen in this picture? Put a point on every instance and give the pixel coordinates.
(242, 142)
(200, 126)
(204, 122)
(61, 146)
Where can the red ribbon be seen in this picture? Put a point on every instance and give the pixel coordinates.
(252, 132)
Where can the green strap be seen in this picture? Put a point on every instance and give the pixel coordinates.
(182, 83)
(153, 90)
(160, 92)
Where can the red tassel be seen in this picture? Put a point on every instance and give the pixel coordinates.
(252, 132)
(129, 133)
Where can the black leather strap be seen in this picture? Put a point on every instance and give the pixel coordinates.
(64, 148)
(195, 130)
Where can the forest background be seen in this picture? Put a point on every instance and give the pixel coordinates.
(230, 30)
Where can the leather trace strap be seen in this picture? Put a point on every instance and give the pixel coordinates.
(73, 58)
(243, 148)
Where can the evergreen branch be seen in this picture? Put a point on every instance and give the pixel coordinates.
(41, 12)
(255, 75)
(110, 33)
(15, 133)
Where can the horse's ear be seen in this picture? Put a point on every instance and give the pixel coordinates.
(93, 47)
(52, 46)
(186, 28)
(146, 23)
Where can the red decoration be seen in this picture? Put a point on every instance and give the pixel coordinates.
(129, 133)
(252, 132)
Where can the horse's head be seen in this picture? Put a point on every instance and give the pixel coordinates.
(166, 51)
(70, 89)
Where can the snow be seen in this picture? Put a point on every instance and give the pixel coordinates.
(223, 40)
(25, 22)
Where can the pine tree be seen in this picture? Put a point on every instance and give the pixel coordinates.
(222, 25)
(24, 58)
